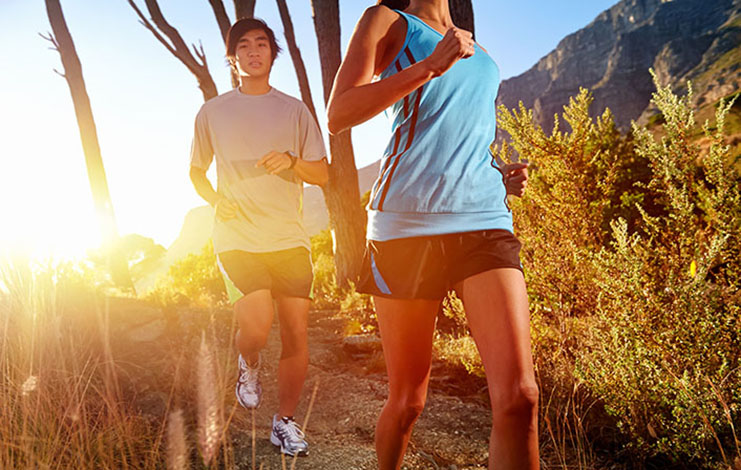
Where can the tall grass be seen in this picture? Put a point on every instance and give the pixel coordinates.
(67, 396)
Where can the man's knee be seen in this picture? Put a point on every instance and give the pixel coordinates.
(293, 345)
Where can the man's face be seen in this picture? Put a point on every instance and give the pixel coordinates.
(253, 54)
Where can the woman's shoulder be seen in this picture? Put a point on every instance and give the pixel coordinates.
(378, 18)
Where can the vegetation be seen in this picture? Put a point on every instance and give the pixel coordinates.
(195, 280)
(631, 248)
(631, 253)
(76, 394)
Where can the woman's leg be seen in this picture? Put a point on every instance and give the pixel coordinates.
(406, 332)
(497, 311)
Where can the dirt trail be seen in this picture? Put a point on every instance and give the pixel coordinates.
(450, 434)
(157, 351)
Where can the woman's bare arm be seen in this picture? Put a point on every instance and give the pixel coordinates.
(354, 99)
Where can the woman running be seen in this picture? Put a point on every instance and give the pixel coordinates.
(438, 218)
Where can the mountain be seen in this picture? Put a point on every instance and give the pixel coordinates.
(697, 40)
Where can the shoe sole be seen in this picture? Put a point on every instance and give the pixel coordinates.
(276, 442)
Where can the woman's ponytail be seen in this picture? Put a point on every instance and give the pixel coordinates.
(395, 4)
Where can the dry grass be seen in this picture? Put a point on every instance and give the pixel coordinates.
(68, 398)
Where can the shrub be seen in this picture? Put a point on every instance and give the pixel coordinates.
(631, 249)
(666, 350)
(194, 280)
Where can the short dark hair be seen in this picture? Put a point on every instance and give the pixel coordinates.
(395, 4)
(243, 26)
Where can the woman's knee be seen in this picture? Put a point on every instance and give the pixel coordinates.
(407, 409)
(520, 403)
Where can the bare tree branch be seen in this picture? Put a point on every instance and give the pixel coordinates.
(224, 24)
(143, 20)
(221, 17)
(177, 46)
(49, 37)
(244, 8)
(298, 62)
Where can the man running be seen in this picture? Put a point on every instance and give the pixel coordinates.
(266, 144)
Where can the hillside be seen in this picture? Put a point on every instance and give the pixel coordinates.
(681, 40)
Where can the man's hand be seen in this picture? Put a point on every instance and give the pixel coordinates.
(515, 178)
(225, 209)
(275, 162)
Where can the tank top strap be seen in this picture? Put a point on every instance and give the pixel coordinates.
(415, 29)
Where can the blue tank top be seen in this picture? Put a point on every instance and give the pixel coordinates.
(437, 174)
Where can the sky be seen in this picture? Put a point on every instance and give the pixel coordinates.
(144, 102)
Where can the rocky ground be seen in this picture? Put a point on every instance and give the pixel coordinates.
(452, 433)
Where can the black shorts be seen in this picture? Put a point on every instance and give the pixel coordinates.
(428, 267)
(285, 273)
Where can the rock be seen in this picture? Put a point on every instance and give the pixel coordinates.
(361, 344)
(147, 332)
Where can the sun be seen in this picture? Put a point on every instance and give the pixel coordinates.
(66, 235)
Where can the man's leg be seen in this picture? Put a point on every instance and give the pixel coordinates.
(254, 314)
(293, 313)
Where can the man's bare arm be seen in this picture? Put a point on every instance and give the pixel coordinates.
(312, 172)
(203, 185)
(225, 209)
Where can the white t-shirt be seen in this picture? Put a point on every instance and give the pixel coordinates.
(239, 129)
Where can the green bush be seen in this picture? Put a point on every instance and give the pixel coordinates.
(327, 293)
(631, 249)
(194, 280)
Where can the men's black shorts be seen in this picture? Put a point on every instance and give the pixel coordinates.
(285, 273)
(428, 267)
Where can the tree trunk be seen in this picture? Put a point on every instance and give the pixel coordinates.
(244, 9)
(62, 40)
(298, 62)
(462, 13)
(347, 218)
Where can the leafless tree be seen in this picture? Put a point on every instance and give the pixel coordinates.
(166, 34)
(347, 218)
(298, 62)
(61, 40)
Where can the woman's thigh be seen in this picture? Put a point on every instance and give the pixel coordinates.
(497, 311)
(407, 328)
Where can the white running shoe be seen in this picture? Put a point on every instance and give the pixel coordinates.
(287, 435)
(249, 389)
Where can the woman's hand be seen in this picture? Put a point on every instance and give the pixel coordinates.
(515, 178)
(455, 45)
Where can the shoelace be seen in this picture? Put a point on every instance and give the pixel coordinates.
(291, 430)
(248, 377)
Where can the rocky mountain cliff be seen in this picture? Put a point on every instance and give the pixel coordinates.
(698, 40)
